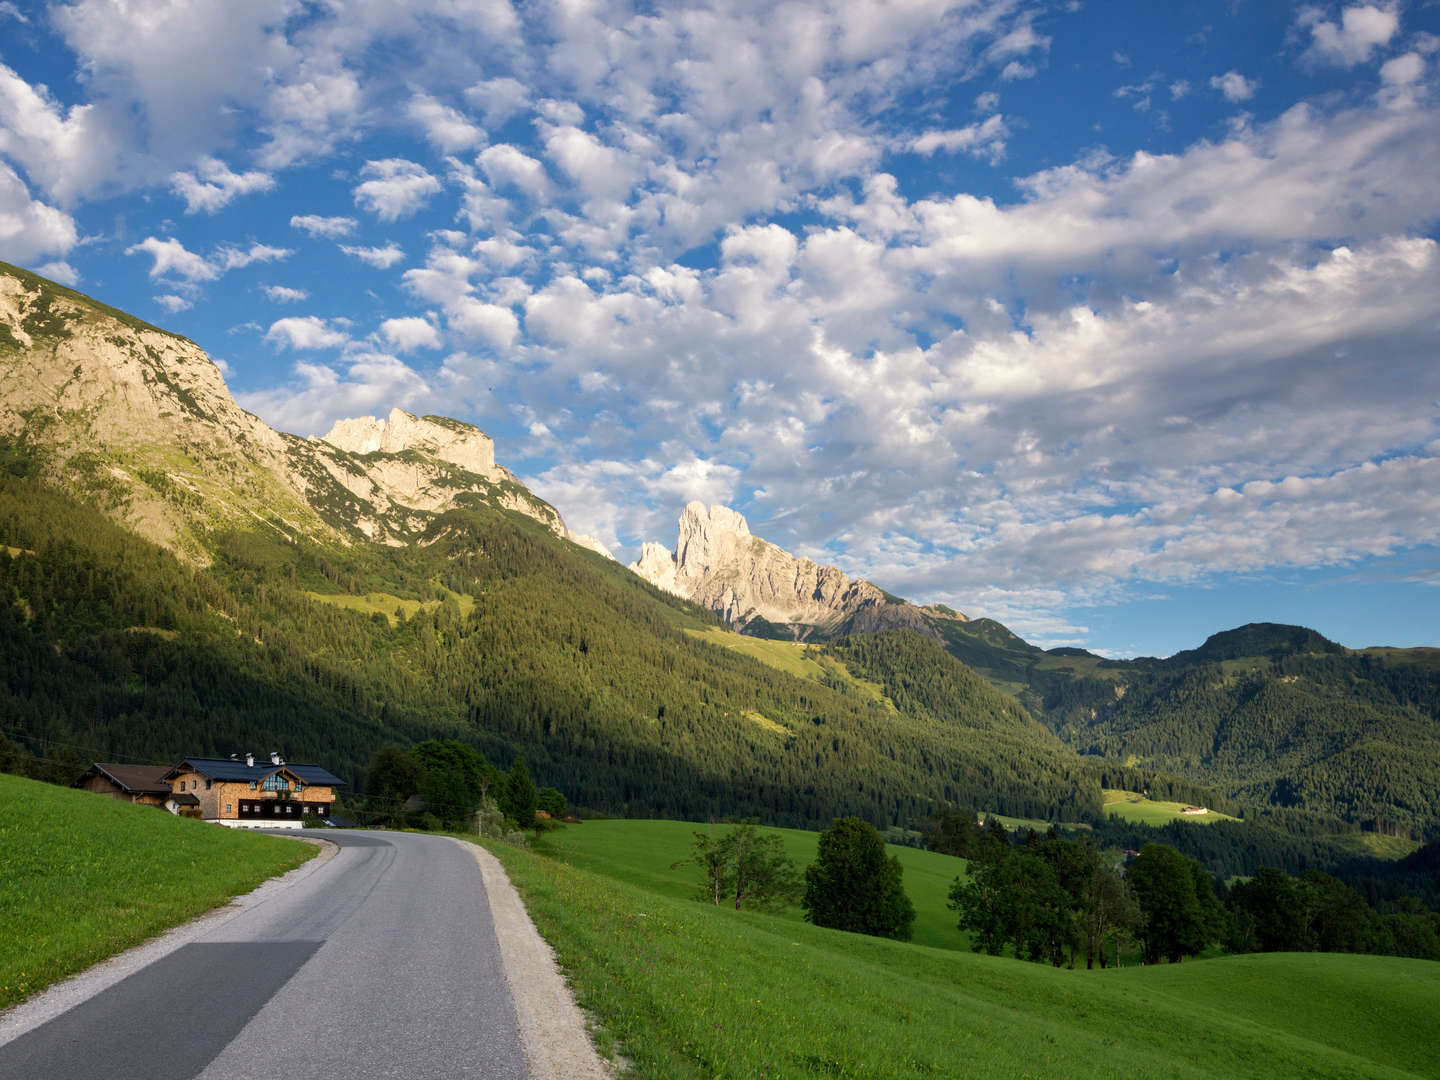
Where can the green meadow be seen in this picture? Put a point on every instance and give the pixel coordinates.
(86, 876)
(1137, 809)
(641, 853)
(682, 989)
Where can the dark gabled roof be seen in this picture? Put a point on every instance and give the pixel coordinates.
(184, 798)
(226, 769)
(314, 774)
(132, 779)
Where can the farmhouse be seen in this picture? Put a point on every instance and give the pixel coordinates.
(245, 793)
(132, 783)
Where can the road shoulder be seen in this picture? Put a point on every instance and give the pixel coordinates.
(553, 1030)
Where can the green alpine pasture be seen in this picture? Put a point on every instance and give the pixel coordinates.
(641, 853)
(682, 989)
(86, 876)
(1134, 807)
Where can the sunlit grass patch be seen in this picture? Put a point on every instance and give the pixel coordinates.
(86, 876)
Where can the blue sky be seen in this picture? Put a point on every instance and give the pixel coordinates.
(1117, 322)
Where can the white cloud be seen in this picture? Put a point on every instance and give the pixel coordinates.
(506, 165)
(396, 188)
(231, 258)
(1361, 30)
(362, 384)
(1403, 70)
(380, 257)
(1234, 86)
(498, 99)
(446, 128)
(330, 227)
(1179, 88)
(408, 334)
(307, 332)
(171, 256)
(30, 229)
(68, 153)
(11, 11)
(283, 294)
(214, 185)
(985, 140)
(60, 271)
(172, 303)
(488, 323)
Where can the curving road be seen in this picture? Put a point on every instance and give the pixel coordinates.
(379, 962)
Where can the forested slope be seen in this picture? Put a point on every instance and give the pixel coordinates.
(515, 641)
(1266, 714)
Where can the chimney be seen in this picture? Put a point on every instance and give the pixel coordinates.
(250, 760)
(275, 758)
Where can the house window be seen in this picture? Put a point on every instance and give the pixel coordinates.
(182, 785)
(227, 808)
(253, 785)
(207, 783)
(276, 782)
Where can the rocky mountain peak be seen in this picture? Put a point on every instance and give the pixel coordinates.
(458, 443)
(758, 587)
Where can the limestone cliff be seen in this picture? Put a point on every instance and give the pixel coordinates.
(757, 587)
(141, 421)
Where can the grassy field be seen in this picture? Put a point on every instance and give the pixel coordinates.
(685, 989)
(641, 853)
(1135, 808)
(385, 604)
(85, 877)
(793, 658)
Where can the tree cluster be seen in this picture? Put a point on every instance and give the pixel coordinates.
(446, 784)
(1047, 899)
(1315, 912)
(746, 865)
(853, 886)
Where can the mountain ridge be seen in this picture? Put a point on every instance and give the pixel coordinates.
(141, 420)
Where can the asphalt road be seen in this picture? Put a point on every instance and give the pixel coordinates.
(381, 963)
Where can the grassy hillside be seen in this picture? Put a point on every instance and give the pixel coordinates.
(641, 853)
(691, 990)
(86, 876)
(1134, 807)
(489, 630)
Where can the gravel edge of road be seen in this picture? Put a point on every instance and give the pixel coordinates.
(61, 996)
(553, 1030)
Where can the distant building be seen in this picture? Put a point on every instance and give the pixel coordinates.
(1195, 810)
(132, 783)
(244, 793)
(236, 792)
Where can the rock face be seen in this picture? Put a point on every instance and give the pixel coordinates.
(757, 587)
(141, 421)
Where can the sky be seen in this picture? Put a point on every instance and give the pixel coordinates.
(1116, 322)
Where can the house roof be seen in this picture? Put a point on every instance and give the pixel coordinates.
(227, 769)
(132, 779)
(184, 799)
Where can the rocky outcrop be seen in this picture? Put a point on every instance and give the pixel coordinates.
(758, 587)
(141, 421)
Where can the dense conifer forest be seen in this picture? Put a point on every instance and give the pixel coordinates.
(501, 636)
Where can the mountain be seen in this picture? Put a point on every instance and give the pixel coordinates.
(139, 421)
(1261, 715)
(1265, 714)
(178, 578)
(762, 590)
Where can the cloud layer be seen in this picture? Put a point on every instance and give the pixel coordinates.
(826, 263)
